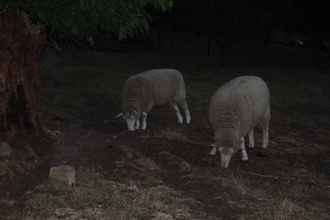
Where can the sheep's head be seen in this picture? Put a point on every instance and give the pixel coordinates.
(226, 154)
(131, 116)
(228, 143)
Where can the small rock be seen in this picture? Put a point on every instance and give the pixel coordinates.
(5, 150)
(132, 187)
(53, 133)
(67, 212)
(63, 173)
(182, 214)
(174, 162)
(147, 164)
(129, 152)
(162, 216)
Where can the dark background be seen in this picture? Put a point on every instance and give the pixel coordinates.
(235, 16)
(218, 25)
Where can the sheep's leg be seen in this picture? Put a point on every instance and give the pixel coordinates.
(244, 153)
(178, 113)
(251, 139)
(144, 120)
(265, 136)
(265, 129)
(184, 106)
(137, 124)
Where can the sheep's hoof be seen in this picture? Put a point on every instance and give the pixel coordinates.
(144, 126)
(213, 151)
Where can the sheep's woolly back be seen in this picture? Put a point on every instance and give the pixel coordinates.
(241, 102)
(154, 87)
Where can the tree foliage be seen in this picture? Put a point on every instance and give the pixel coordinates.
(124, 18)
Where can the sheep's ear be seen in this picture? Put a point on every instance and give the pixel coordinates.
(120, 115)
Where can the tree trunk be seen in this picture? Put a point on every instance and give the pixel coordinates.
(21, 43)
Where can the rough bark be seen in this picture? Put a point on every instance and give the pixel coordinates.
(21, 43)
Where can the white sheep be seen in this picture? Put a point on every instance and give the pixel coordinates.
(235, 109)
(155, 87)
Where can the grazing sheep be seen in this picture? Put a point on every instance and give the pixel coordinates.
(153, 88)
(235, 110)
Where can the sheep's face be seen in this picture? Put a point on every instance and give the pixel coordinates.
(226, 154)
(132, 119)
(228, 144)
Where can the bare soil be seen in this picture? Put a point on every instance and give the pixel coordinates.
(289, 180)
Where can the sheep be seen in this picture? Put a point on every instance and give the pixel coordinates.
(235, 109)
(154, 87)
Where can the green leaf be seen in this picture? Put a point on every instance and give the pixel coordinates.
(126, 18)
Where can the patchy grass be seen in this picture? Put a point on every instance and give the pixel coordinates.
(289, 180)
(98, 198)
(283, 209)
(170, 134)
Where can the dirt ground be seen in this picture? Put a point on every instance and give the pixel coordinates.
(167, 169)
